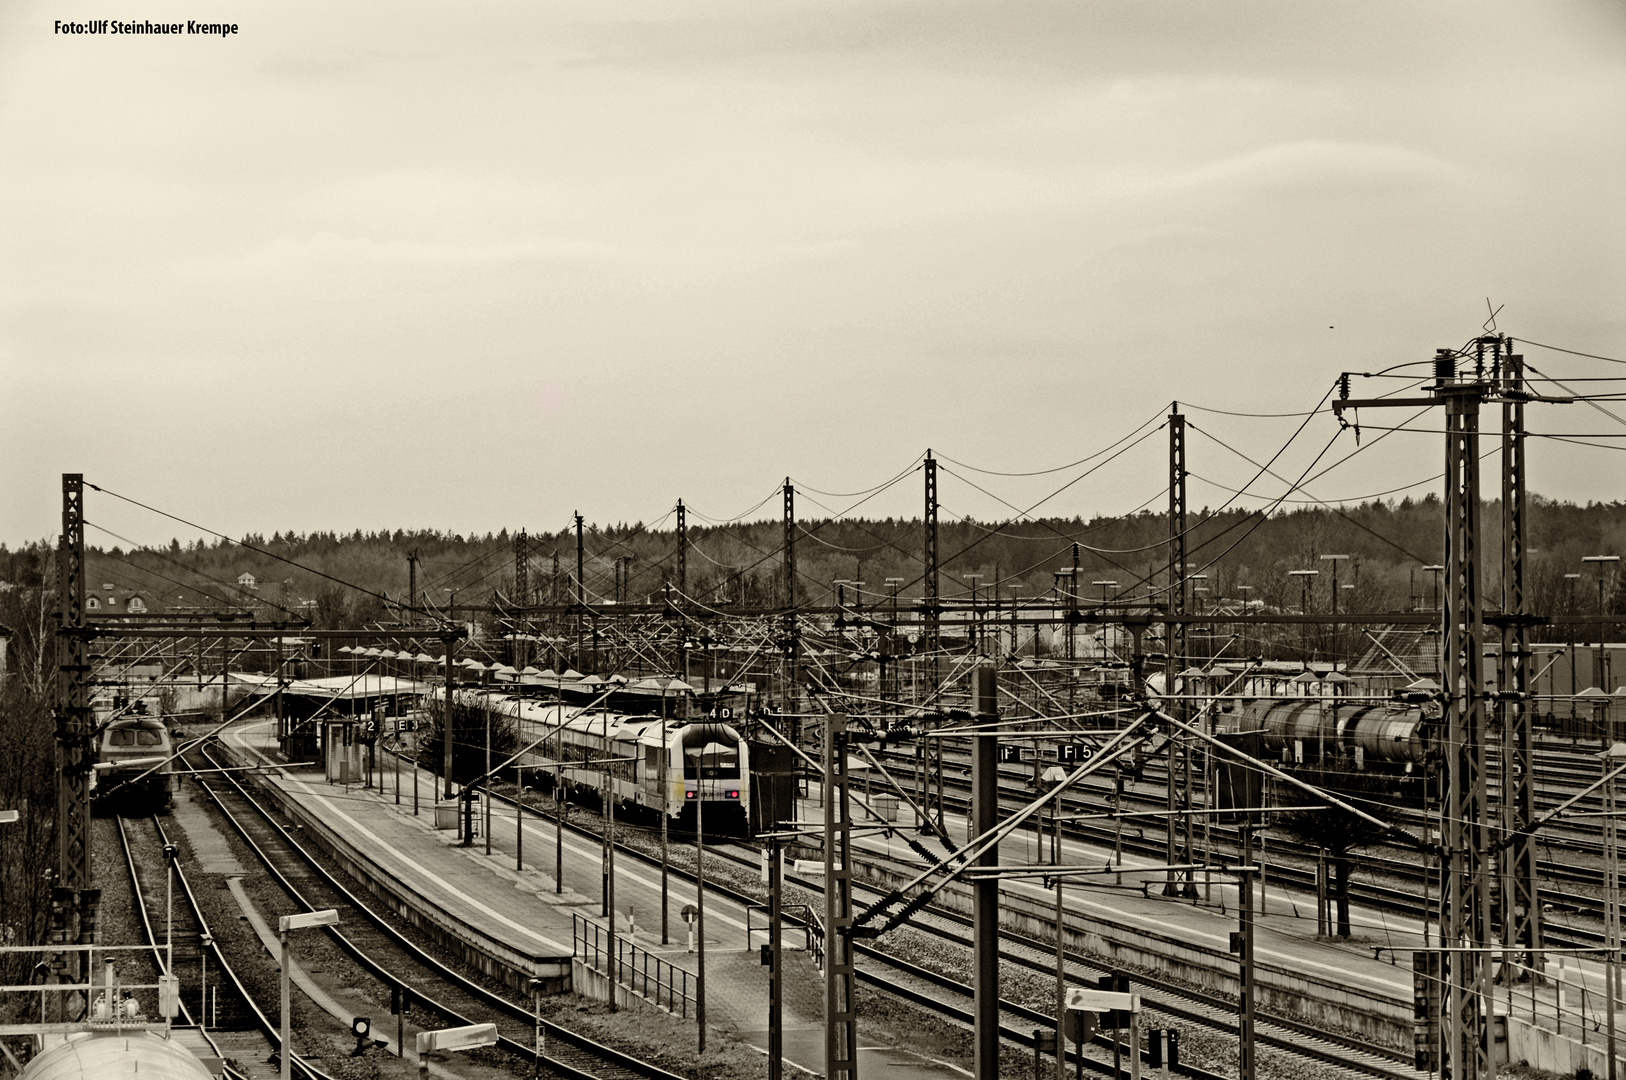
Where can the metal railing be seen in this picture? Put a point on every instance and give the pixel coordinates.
(815, 937)
(806, 927)
(657, 981)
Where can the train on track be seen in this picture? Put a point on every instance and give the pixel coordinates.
(1394, 745)
(91, 1055)
(135, 765)
(680, 767)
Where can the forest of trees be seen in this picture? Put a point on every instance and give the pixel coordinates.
(347, 580)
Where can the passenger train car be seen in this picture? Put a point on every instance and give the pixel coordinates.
(701, 766)
(135, 766)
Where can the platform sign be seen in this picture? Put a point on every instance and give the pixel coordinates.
(1010, 754)
(1074, 752)
(1090, 999)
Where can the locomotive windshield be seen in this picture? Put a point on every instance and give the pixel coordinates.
(135, 736)
(714, 761)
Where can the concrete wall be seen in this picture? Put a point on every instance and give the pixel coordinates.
(474, 947)
(1543, 1048)
(1281, 991)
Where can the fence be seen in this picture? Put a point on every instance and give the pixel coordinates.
(808, 918)
(664, 985)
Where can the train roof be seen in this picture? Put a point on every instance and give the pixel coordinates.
(106, 1054)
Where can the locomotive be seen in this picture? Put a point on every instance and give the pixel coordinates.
(135, 765)
(704, 766)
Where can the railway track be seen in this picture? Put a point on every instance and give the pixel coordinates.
(388, 955)
(1393, 885)
(1332, 1055)
(241, 1031)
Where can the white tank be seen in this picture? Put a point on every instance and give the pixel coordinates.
(93, 1055)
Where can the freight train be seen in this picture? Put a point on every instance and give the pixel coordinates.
(1373, 736)
(702, 766)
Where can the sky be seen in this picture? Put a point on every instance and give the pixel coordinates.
(480, 266)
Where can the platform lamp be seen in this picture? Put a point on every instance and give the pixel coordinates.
(1436, 570)
(893, 584)
(286, 924)
(975, 618)
(1600, 677)
(1335, 560)
(1569, 609)
(1304, 577)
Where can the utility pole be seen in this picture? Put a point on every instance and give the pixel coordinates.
(73, 719)
(1521, 898)
(929, 557)
(1177, 883)
(73, 903)
(840, 1015)
(412, 580)
(1466, 901)
(522, 569)
(682, 549)
(931, 613)
(1465, 921)
(985, 890)
(792, 642)
(581, 593)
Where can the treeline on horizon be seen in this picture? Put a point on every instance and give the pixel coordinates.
(344, 580)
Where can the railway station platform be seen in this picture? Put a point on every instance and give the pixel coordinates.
(516, 920)
(1363, 984)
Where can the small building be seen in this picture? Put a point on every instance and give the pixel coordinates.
(113, 600)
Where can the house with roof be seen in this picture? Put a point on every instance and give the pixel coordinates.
(114, 600)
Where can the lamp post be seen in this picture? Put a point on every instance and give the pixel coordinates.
(1600, 677)
(1014, 589)
(1244, 590)
(325, 917)
(893, 584)
(1335, 560)
(1304, 577)
(1436, 570)
(973, 578)
(1569, 609)
(1197, 591)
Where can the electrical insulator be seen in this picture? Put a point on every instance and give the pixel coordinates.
(1343, 386)
(1445, 365)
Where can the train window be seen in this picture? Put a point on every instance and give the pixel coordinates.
(712, 765)
(148, 737)
(121, 737)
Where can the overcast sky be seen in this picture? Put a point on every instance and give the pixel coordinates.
(472, 266)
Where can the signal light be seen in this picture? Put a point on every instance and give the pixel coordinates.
(688, 794)
(732, 794)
